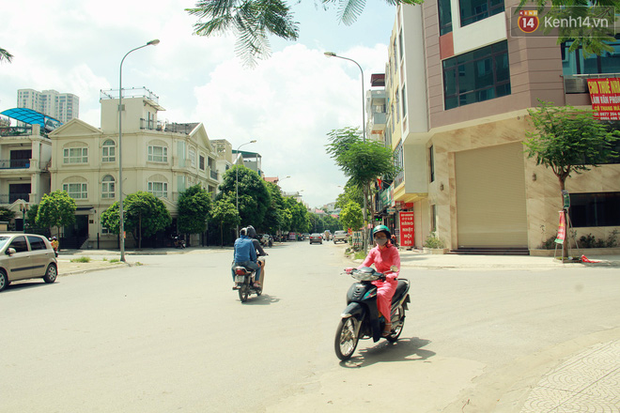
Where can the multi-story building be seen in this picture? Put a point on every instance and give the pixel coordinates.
(61, 106)
(25, 157)
(459, 87)
(161, 158)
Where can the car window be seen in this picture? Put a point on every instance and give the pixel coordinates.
(19, 244)
(36, 243)
(3, 240)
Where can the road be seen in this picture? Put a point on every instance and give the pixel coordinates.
(171, 335)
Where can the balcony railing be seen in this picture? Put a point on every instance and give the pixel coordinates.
(213, 174)
(6, 199)
(14, 163)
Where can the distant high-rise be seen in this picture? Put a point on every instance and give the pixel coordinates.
(60, 106)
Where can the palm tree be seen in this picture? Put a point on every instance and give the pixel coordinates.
(253, 20)
(4, 55)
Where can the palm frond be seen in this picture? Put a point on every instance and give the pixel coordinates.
(5, 55)
(350, 10)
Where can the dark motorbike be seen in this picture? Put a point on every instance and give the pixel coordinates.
(244, 283)
(178, 242)
(361, 319)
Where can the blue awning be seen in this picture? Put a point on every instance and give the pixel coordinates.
(32, 117)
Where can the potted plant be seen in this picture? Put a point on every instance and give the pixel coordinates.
(434, 245)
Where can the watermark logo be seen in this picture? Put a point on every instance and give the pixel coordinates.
(528, 21)
(572, 22)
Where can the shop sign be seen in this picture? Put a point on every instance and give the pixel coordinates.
(407, 232)
(605, 97)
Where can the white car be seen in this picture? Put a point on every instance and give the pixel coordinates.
(24, 256)
(340, 236)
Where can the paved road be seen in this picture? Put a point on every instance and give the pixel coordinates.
(152, 339)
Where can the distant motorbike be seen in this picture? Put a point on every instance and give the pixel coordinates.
(361, 319)
(179, 242)
(244, 283)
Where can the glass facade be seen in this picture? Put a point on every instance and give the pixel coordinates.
(577, 63)
(476, 76)
(476, 10)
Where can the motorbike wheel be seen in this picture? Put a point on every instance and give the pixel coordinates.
(399, 322)
(346, 339)
(244, 292)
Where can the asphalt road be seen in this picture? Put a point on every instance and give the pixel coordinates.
(171, 335)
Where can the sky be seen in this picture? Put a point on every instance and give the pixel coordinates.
(288, 103)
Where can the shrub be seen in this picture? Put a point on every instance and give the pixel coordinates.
(81, 259)
(432, 241)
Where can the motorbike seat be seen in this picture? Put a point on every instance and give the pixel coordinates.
(401, 289)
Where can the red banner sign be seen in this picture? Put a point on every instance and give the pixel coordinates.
(605, 96)
(407, 231)
(561, 229)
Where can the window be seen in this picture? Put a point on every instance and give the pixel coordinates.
(476, 76)
(433, 218)
(107, 187)
(76, 191)
(600, 209)
(404, 101)
(36, 243)
(19, 244)
(192, 157)
(108, 151)
(159, 189)
(431, 159)
(202, 163)
(445, 16)
(476, 10)
(75, 155)
(157, 154)
(574, 63)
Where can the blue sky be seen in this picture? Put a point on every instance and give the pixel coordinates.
(288, 103)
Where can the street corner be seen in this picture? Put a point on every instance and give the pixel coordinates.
(80, 265)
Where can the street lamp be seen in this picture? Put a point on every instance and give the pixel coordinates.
(120, 147)
(237, 178)
(332, 54)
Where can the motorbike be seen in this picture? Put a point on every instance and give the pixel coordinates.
(361, 319)
(179, 242)
(244, 283)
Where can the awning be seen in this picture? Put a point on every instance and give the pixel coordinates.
(32, 117)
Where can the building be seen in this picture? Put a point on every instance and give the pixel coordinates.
(458, 88)
(251, 160)
(161, 158)
(61, 106)
(25, 159)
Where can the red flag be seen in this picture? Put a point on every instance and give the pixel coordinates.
(561, 229)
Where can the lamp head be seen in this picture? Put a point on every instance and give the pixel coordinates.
(154, 42)
(329, 54)
(254, 141)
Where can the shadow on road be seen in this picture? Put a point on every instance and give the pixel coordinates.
(264, 299)
(405, 349)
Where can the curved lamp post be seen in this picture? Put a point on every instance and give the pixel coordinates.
(237, 178)
(121, 213)
(332, 54)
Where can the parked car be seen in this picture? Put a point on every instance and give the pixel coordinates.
(340, 236)
(316, 237)
(24, 256)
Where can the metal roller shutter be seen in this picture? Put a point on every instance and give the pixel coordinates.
(490, 197)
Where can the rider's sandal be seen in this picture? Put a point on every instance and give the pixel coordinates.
(257, 285)
(387, 330)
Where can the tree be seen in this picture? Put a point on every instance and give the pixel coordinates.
(57, 209)
(225, 213)
(299, 215)
(568, 140)
(363, 162)
(254, 199)
(351, 216)
(351, 193)
(274, 216)
(252, 21)
(144, 214)
(6, 214)
(194, 207)
(5, 55)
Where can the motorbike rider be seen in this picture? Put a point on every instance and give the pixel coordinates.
(245, 256)
(260, 252)
(386, 259)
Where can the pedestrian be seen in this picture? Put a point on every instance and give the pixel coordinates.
(55, 245)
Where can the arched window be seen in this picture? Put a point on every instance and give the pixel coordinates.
(108, 151)
(108, 187)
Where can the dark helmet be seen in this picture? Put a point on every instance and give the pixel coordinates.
(382, 228)
(251, 232)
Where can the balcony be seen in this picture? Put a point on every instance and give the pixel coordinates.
(574, 84)
(6, 199)
(14, 163)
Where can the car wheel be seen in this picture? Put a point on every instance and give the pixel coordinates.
(4, 280)
(50, 274)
